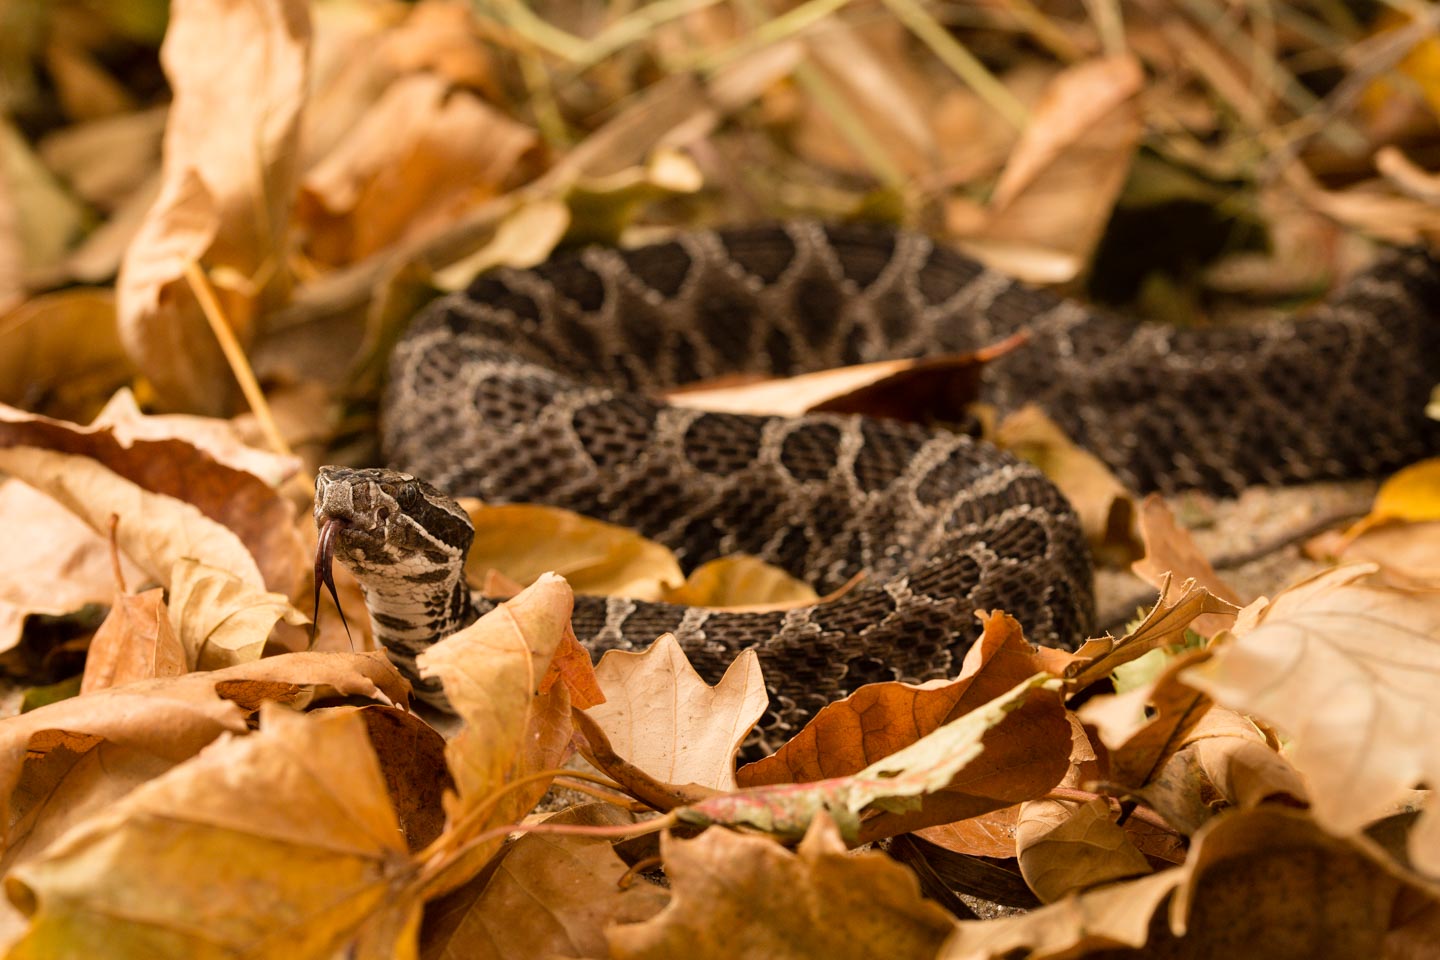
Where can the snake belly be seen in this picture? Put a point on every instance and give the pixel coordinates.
(539, 385)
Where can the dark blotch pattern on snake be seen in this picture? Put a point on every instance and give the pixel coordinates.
(536, 385)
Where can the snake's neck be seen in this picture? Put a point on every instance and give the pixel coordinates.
(409, 614)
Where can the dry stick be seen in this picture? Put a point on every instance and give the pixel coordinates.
(235, 356)
(115, 553)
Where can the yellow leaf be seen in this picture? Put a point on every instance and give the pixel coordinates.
(662, 717)
(742, 581)
(191, 865)
(523, 541)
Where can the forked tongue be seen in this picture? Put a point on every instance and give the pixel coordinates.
(324, 561)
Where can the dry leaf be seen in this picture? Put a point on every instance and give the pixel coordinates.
(1351, 670)
(1065, 846)
(66, 564)
(988, 835)
(1402, 531)
(156, 532)
(736, 895)
(251, 509)
(43, 216)
(106, 160)
(1169, 548)
(744, 582)
(946, 775)
(1059, 187)
(135, 642)
(551, 896)
(412, 761)
(492, 672)
(61, 353)
(662, 717)
(230, 158)
(1106, 509)
(523, 541)
(221, 620)
(302, 872)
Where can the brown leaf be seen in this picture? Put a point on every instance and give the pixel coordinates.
(1350, 668)
(523, 541)
(736, 895)
(250, 508)
(135, 642)
(230, 157)
(219, 619)
(988, 835)
(551, 896)
(880, 718)
(1065, 846)
(323, 850)
(60, 352)
(412, 761)
(662, 717)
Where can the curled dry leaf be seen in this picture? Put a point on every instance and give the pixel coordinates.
(551, 896)
(219, 619)
(324, 852)
(493, 673)
(946, 775)
(523, 541)
(662, 717)
(135, 642)
(154, 531)
(178, 468)
(229, 174)
(1065, 846)
(1350, 669)
(736, 895)
(1169, 548)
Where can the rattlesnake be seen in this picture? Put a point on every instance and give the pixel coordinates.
(538, 385)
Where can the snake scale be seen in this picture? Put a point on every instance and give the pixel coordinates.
(540, 385)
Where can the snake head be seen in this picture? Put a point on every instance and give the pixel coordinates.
(388, 528)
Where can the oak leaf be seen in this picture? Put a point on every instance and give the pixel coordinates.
(1350, 669)
(736, 895)
(662, 717)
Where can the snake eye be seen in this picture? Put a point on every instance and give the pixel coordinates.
(382, 514)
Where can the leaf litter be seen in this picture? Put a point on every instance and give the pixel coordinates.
(1206, 779)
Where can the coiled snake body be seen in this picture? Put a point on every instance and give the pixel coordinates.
(537, 385)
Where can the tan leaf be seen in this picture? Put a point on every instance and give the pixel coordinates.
(1058, 189)
(1065, 846)
(155, 531)
(219, 619)
(549, 896)
(105, 160)
(230, 158)
(44, 217)
(988, 835)
(422, 153)
(324, 851)
(299, 679)
(736, 895)
(522, 239)
(492, 672)
(1351, 670)
(1169, 548)
(134, 643)
(917, 390)
(63, 347)
(742, 581)
(66, 566)
(251, 508)
(1105, 507)
(523, 541)
(1163, 626)
(1400, 532)
(661, 716)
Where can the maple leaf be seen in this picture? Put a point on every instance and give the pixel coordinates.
(736, 895)
(297, 875)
